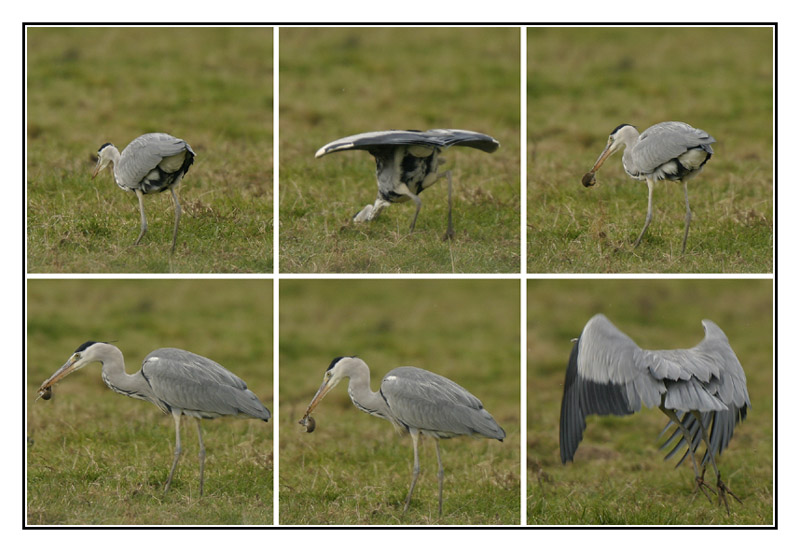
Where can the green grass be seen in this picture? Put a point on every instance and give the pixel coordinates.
(584, 82)
(338, 82)
(97, 457)
(618, 475)
(355, 469)
(209, 86)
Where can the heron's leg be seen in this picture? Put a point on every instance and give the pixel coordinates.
(418, 202)
(688, 216)
(698, 477)
(650, 184)
(415, 442)
(369, 212)
(201, 454)
(450, 233)
(177, 216)
(722, 489)
(140, 195)
(441, 474)
(176, 415)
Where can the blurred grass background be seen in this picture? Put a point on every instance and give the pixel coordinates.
(583, 83)
(336, 82)
(355, 469)
(619, 475)
(97, 457)
(210, 86)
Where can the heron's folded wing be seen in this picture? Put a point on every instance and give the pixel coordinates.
(145, 153)
(439, 138)
(666, 141)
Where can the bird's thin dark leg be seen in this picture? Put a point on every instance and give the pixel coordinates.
(177, 216)
(140, 195)
(649, 217)
(176, 414)
(688, 216)
(450, 232)
(415, 442)
(722, 489)
(698, 477)
(201, 454)
(418, 202)
(441, 474)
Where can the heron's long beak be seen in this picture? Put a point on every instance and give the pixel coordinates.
(97, 168)
(327, 384)
(70, 366)
(603, 156)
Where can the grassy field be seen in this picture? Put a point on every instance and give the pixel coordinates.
(355, 469)
(338, 82)
(209, 86)
(97, 457)
(618, 476)
(584, 82)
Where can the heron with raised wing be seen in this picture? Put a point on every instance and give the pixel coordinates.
(414, 401)
(178, 382)
(407, 162)
(665, 151)
(150, 164)
(702, 390)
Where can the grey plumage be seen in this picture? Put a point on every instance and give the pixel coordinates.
(700, 389)
(414, 401)
(176, 381)
(407, 162)
(666, 151)
(150, 164)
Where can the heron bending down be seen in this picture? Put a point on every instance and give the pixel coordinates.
(665, 151)
(702, 390)
(151, 163)
(407, 162)
(414, 400)
(176, 381)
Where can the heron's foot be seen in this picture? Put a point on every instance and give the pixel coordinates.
(723, 491)
(449, 235)
(701, 485)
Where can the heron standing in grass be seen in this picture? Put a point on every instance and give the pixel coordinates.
(150, 164)
(665, 151)
(178, 382)
(415, 401)
(702, 390)
(407, 162)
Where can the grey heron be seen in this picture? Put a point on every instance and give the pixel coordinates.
(665, 151)
(150, 164)
(702, 390)
(414, 401)
(407, 162)
(176, 381)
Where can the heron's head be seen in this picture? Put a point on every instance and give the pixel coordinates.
(105, 155)
(89, 352)
(339, 369)
(618, 139)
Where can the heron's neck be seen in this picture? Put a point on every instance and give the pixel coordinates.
(115, 377)
(363, 397)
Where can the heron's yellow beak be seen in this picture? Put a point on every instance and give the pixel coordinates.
(97, 168)
(603, 156)
(327, 384)
(70, 366)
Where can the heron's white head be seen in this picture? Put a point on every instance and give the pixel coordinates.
(620, 137)
(339, 369)
(89, 352)
(107, 153)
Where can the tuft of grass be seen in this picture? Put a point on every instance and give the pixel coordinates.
(583, 82)
(618, 476)
(97, 457)
(337, 82)
(355, 469)
(210, 86)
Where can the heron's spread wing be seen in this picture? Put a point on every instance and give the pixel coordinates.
(664, 142)
(146, 152)
(439, 138)
(435, 404)
(197, 384)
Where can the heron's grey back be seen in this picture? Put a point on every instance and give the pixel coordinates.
(436, 405)
(439, 138)
(144, 154)
(666, 141)
(199, 385)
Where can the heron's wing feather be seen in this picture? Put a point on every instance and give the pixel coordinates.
(197, 384)
(438, 138)
(665, 141)
(145, 153)
(433, 403)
